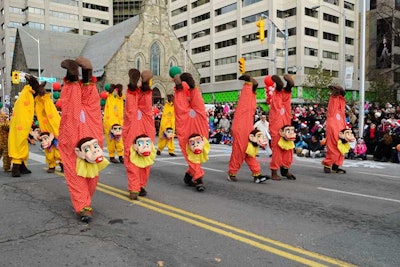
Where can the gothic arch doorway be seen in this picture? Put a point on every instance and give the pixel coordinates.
(157, 96)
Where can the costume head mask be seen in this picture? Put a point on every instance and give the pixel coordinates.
(287, 132)
(346, 135)
(116, 130)
(196, 143)
(142, 145)
(35, 133)
(46, 139)
(89, 150)
(257, 138)
(169, 133)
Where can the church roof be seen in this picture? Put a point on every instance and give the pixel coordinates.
(101, 47)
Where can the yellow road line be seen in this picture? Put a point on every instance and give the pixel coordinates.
(161, 208)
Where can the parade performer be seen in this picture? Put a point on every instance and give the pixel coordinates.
(113, 121)
(138, 133)
(337, 134)
(81, 135)
(50, 146)
(20, 125)
(167, 128)
(49, 123)
(192, 128)
(4, 131)
(280, 115)
(245, 139)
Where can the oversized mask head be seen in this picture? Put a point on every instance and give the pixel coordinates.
(169, 133)
(196, 143)
(143, 145)
(89, 150)
(287, 132)
(46, 139)
(257, 138)
(346, 135)
(35, 133)
(116, 130)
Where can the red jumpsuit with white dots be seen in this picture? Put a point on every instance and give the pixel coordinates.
(81, 117)
(138, 120)
(190, 118)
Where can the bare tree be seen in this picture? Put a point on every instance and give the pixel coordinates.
(319, 80)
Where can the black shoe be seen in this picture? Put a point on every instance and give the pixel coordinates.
(51, 170)
(62, 167)
(142, 192)
(158, 153)
(86, 216)
(172, 154)
(188, 179)
(24, 169)
(121, 159)
(113, 160)
(199, 185)
(16, 170)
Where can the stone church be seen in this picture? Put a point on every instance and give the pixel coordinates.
(145, 41)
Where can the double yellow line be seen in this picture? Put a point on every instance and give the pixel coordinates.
(275, 247)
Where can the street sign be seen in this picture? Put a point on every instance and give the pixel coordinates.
(49, 80)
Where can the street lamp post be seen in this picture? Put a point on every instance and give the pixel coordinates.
(38, 47)
(343, 14)
(187, 45)
(285, 36)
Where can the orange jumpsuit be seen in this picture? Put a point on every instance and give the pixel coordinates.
(138, 120)
(190, 118)
(335, 122)
(241, 128)
(81, 117)
(280, 115)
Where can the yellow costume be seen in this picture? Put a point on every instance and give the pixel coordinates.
(20, 126)
(114, 114)
(167, 121)
(47, 115)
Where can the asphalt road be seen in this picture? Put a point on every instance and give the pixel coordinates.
(318, 220)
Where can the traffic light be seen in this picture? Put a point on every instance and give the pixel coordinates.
(261, 31)
(15, 77)
(242, 66)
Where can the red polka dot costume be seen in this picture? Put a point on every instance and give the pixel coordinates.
(81, 117)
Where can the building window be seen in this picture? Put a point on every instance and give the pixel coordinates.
(331, 18)
(333, 2)
(226, 26)
(201, 65)
(291, 31)
(249, 2)
(200, 33)
(66, 2)
(155, 55)
(199, 3)
(96, 20)
(349, 41)
(205, 80)
(397, 4)
(200, 49)
(253, 18)
(310, 51)
(225, 60)
(226, 77)
(225, 9)
(179, 25)
(330, 55)
(286, 13)
(178, 11)
(14, 10)
(138, 64)
(62, 15)
(330, 36)
(311, 12)
(256, 54)
(95, 7)
(349, 23)
(310, 32)
(200, 18)
(349, 58)
(349, 6)
(372, 4)
(226, 43)
(36, 25)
